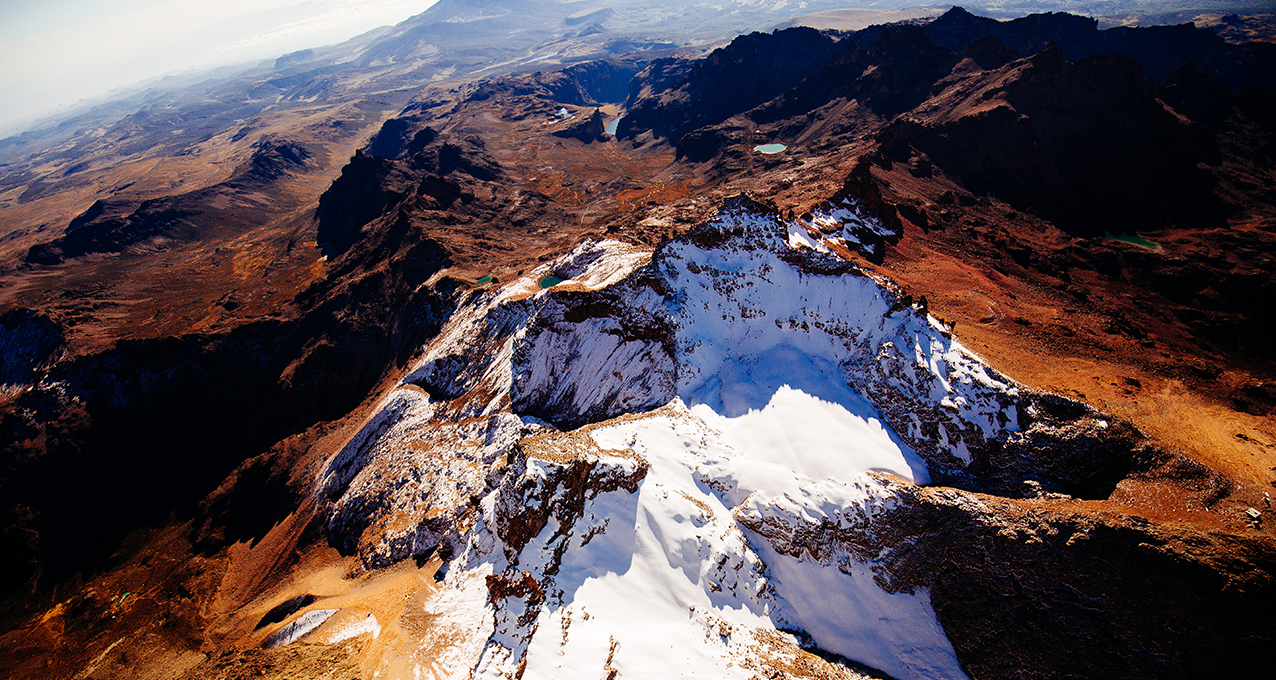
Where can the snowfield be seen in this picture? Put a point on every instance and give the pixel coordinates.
(671, 464)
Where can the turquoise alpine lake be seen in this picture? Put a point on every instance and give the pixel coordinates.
(1134, 240)
(770, 148)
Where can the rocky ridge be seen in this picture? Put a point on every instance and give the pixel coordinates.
(680, 361)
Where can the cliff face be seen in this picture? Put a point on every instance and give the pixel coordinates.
(1158, 49)
(751, 70)
(1087, 146)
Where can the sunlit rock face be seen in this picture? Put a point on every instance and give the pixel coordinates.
(683, 461)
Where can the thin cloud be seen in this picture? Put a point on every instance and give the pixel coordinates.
(350, 14)
(58, 58)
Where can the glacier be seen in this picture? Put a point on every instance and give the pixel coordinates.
(677, 462)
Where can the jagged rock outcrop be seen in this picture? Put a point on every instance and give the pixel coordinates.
(734, 425)
(1087, 145)
(374, 186)
(29, 342)
(401, 136)
(1106, 579)
(752, 70)
(587, 130)
(1159, 49)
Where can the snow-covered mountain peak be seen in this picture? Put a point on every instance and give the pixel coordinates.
(681, 462)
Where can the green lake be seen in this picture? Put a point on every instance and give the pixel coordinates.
(550, 281)
(1134, 240)
(770, 148)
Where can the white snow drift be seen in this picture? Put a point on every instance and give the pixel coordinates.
(739, 400)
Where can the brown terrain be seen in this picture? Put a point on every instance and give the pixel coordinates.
(228, 317)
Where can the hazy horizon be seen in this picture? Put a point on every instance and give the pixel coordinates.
(56, 55)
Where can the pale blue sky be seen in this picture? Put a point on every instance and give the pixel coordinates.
(56, 52)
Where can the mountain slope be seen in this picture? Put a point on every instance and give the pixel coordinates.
(737, 471)
(547, 400)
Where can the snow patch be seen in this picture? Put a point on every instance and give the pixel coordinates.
(783, 388)
(845, 611)
(590, 266)
(352, 627)
(303, 624)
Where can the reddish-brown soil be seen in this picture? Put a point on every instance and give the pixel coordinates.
(246, 271)
(1006, 279)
